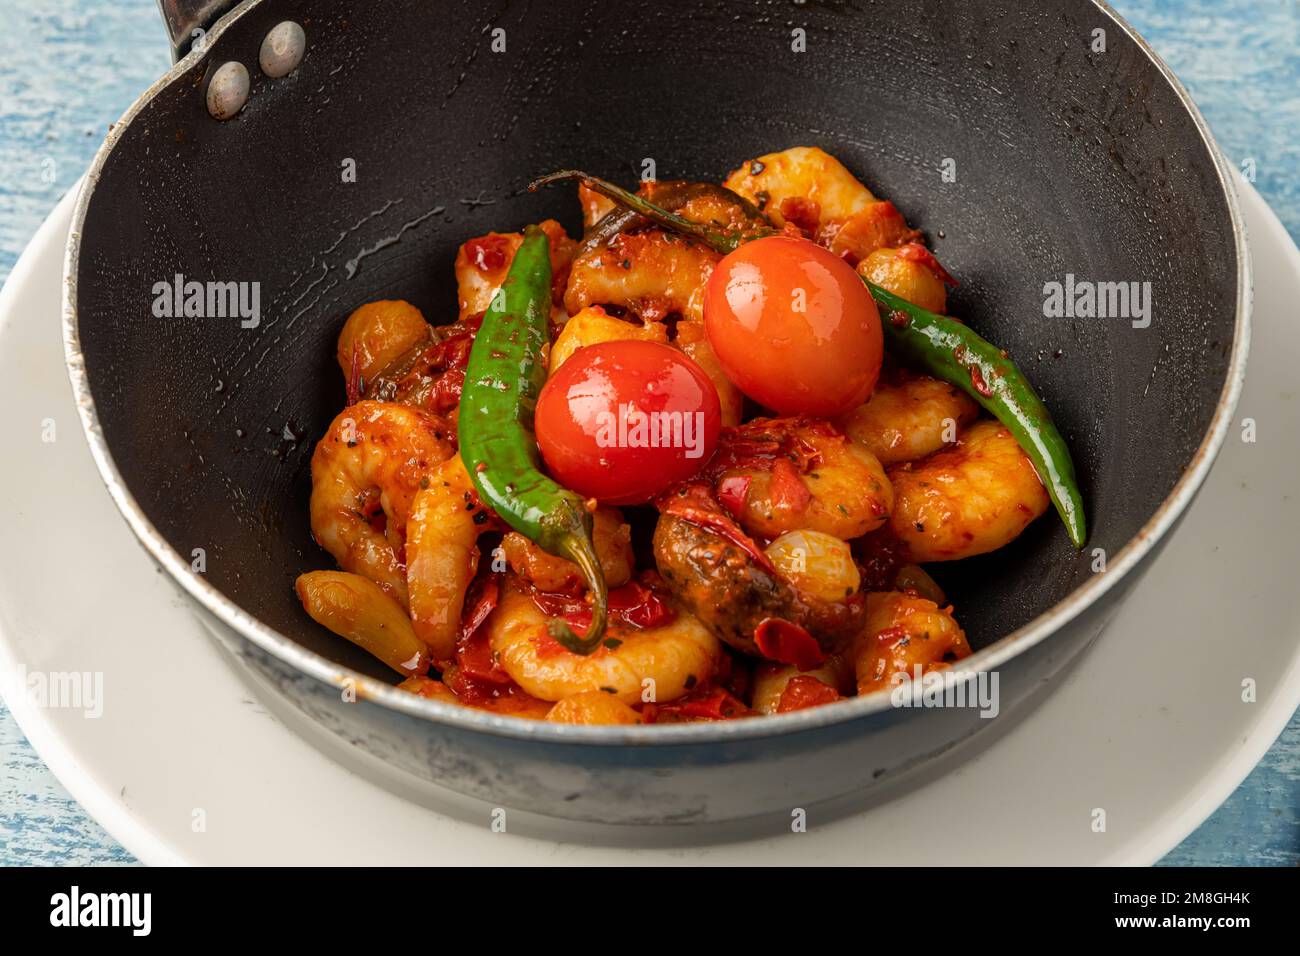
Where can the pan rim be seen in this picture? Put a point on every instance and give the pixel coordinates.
(286, 650)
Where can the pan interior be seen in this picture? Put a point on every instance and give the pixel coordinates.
(401, 135)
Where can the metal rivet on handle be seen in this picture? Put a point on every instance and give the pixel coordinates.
(282, 49)
(228, 90)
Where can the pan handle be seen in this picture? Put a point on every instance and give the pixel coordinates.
(188, 20)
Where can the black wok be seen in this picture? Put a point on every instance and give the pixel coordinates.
(1067, 160)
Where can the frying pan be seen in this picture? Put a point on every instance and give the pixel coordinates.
(410, 126)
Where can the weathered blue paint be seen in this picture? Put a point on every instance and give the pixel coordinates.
(1240, 59)
(70, 67)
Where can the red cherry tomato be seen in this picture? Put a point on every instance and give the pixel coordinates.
(794, 327)
(623, 421)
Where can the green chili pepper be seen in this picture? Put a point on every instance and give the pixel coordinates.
(504, 376)
(670, 196)
(951, 351)
(941, 345)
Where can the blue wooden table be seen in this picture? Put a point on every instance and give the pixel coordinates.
(68, 68)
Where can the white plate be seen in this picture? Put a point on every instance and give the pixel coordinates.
(1151, 726)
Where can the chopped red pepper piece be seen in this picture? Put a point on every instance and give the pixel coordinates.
(473, 652)
(806, 214)
(488, 253)
(787, 488)
(733, 491)
(805, 691)
(634, 604)
(705, 703)
(757, 444)
(788, 643)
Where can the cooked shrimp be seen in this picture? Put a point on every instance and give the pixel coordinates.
(432, 375)
(373, 459)
(651, 274)
(703, 203)
(904, 631)
(376, 335)
(771, 681)
(594, 205)
(594, 325)
(878, 226)
(482, 264)
(612, 538)
(693, 341)
(908, 417)
(969, 499)
(790, 474)
(656, 664)
(356, 608)
(807, 187)
(445, 522)
(800, 173)
(711, 205)
(593, 707)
